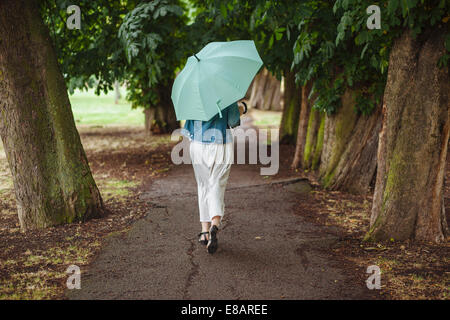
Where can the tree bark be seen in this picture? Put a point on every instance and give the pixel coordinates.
(117, 94)
(409, 199)
(266, 92)
(161, 118)
(348, 159)
(291, 110)
(256, 89)
(148, 120)
(52, 179)
(270, 93)
(277, 98)
(302, 127)
(314, 140)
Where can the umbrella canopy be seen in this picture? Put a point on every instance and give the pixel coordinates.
(214, 78)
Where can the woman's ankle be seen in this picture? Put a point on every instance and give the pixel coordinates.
(206, 226)
(215, 221)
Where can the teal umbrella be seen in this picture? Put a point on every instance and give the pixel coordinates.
(214, 78)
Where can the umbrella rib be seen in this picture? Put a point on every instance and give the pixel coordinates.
(200, 91)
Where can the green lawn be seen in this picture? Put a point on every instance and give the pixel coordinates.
(90, 109)
(266, 119)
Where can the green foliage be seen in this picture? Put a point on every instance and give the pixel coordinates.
(268, 23)
(396, 15)
(298, 36)
(219, 21)
(138, 42)
(336, 50)
(273, 24)
(151, 35)
(324, 56)
(91, 56)
(327, 43)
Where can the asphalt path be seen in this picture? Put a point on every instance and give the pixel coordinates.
(265, 250)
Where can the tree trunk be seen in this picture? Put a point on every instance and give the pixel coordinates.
(161, 118)
(117, 94)
(291, 110)
(256, 84)
(348, 160)
(257, 96)
(270, 94)
(265, 92)
(52, 179)
(302, 127)
(277, 98)
(149, 115)
(314, 140)
(409, 200)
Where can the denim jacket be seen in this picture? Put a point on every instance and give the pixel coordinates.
(215, 129)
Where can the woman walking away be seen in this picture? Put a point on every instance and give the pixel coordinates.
(212, 153)
(215, 77)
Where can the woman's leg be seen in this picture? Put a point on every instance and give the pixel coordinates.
(205, 228)
(201, 176)
(212, 164)
(215, 221)
(218, 182)
(216, 192)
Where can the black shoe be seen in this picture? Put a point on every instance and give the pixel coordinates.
(203, 241)
(212, 243)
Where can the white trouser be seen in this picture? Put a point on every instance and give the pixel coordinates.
(212, 164)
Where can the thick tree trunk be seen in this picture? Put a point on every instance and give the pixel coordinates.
(266, 92)
(148, 120)
(52, 180)
(408, 200)
(292, 101)
(302, 127)
(271, 92)
(257, 89)
(348, 160)
(314, 140)
(161, 118)
(277, 98)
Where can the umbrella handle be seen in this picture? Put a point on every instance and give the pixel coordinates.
(245, 107)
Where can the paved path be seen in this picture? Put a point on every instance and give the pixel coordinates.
(265, 251)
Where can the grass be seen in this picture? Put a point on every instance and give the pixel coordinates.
(40, 273)
(117, 189)
(44, 271)
(6, 183)
(93, 110)
(266, 119)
